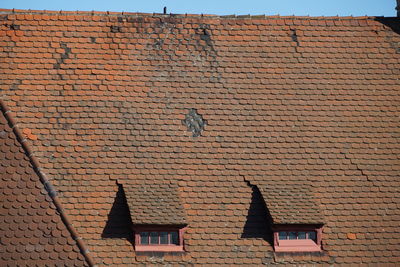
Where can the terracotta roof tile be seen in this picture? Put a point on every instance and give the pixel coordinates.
(155, 203)
(291, 202)
(32, 232)
(305, 103)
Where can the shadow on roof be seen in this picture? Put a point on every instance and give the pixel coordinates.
(393, 23)
(259, 220)
(119, 224)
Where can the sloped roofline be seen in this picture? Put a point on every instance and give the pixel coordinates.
(47, 185)
(161, 15)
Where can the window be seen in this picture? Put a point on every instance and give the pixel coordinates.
(297, 238)
(161, 238)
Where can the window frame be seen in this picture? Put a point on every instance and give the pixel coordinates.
(159, 247)
(297, 245)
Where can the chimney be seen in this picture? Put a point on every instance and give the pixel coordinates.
(398, 8)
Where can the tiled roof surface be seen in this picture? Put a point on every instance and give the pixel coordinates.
(154, 202)
(31, 230)
(291, 202)
(290, 101)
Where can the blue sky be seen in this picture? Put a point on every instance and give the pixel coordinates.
(219, 7)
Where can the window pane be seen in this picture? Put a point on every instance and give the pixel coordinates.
(174, 238)
(292, 235)
(154, 238)
(282, 236)
(312, 235)
(302, 235)
(163, 237)
(144, 238)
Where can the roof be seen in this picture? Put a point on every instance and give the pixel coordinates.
(154, 202)
(31, 229)
(112, 98)
(291, 202)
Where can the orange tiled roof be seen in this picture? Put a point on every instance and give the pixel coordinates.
(31, 229)
(154, 202)
(308, 104)
(291, 202)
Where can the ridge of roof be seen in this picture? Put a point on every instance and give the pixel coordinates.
(46, 183)
(161, 15)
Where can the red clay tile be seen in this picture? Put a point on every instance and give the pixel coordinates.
(31, 204)
(303, 108)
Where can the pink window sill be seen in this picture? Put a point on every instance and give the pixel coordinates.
(297, 246)
(159, 248)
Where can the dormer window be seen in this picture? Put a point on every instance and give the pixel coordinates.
(157, 213)
(159, 238)
(297, 238)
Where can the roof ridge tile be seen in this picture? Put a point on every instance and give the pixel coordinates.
(161, 15)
